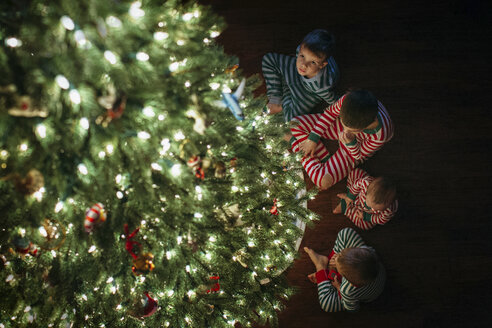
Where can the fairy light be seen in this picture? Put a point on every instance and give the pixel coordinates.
(170, 293)
(13, 42)
(110, 57)
(176, 170)
(62, 82)
(148, 111)
(226, 89)
(67, 23)
(58, 207)
(206, 41)
(43, 232)
(38, 195)
(74, 96)
(101, 154)
(109, 148)
(113, 22)
(119, 195)
(190, 293)
(84, 123)
(179, 136)
(198, 215)
(159, 36)
(235, 188)
(161, 117)
(4, 154)
(53, 253)
(156, 167)
(188, 269)
(214, 34)
(174, 66)
(83, 169)
(80, 37)
(142, 56)
(41, 130)
(10, 277)
(251, 244)
(165, 146)
(214, 85)
(135, 10)
(169, 255)
(180, 42)
(239, 128)
(143, 135)
(92, 249)
(179, 239)
(198, 189)
(187, 17)
(109, 280)
(118, 178)
(187, 84)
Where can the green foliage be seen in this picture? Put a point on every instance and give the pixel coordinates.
(168, 73)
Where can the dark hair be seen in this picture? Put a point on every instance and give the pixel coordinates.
(359, 109)
(358, 265)
(320, 42)
(383, 190)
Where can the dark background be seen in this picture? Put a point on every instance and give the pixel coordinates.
(428, 63)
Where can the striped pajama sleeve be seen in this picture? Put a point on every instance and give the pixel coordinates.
(325, 120)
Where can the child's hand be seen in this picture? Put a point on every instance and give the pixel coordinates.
(274, 108)
(308, 147)
(336, 283)
(347, 199)
(346, 137)
(332, 265)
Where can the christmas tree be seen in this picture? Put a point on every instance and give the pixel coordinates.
(141, 184)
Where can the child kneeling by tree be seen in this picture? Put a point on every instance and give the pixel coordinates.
(351, 274)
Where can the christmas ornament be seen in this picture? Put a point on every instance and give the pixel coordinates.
(129, 244)
(143, 264)
(220, 170)
(114, 105)
(232, 69)
(32, 182)
(54, 235)
(216, 286)
(94, 216)
(197, 115)
(24, 108)
(195, 163)
(233, 164)
(145, 307)
(24, 246)
(274, 209)
(231, 101)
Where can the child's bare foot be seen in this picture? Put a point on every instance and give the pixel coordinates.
(287, 137)
(338, 209)
(312, 277)
(319, 261)
(274, 108)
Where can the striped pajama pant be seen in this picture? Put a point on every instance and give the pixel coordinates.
(337, 165)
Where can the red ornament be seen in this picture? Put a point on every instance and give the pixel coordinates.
(216, 287)
(150, 306)
(274, 209)
(94, 216)
(129, 244)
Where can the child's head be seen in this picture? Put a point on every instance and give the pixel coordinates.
(381, 193)
(314, 52)
(359, 110)
(358, 265)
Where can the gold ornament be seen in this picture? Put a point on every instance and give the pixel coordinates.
(143, 264)
(54, 234)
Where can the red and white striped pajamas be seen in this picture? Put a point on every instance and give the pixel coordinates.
(357, 182)
(328, 125)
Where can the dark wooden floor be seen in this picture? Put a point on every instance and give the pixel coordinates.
(428, 63)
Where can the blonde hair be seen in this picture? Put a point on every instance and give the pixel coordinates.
(383, 190)
(358, 265)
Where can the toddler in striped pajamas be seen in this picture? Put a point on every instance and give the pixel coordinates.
(357, 120)
(351, 274)
(369, 201)
(298, 86)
